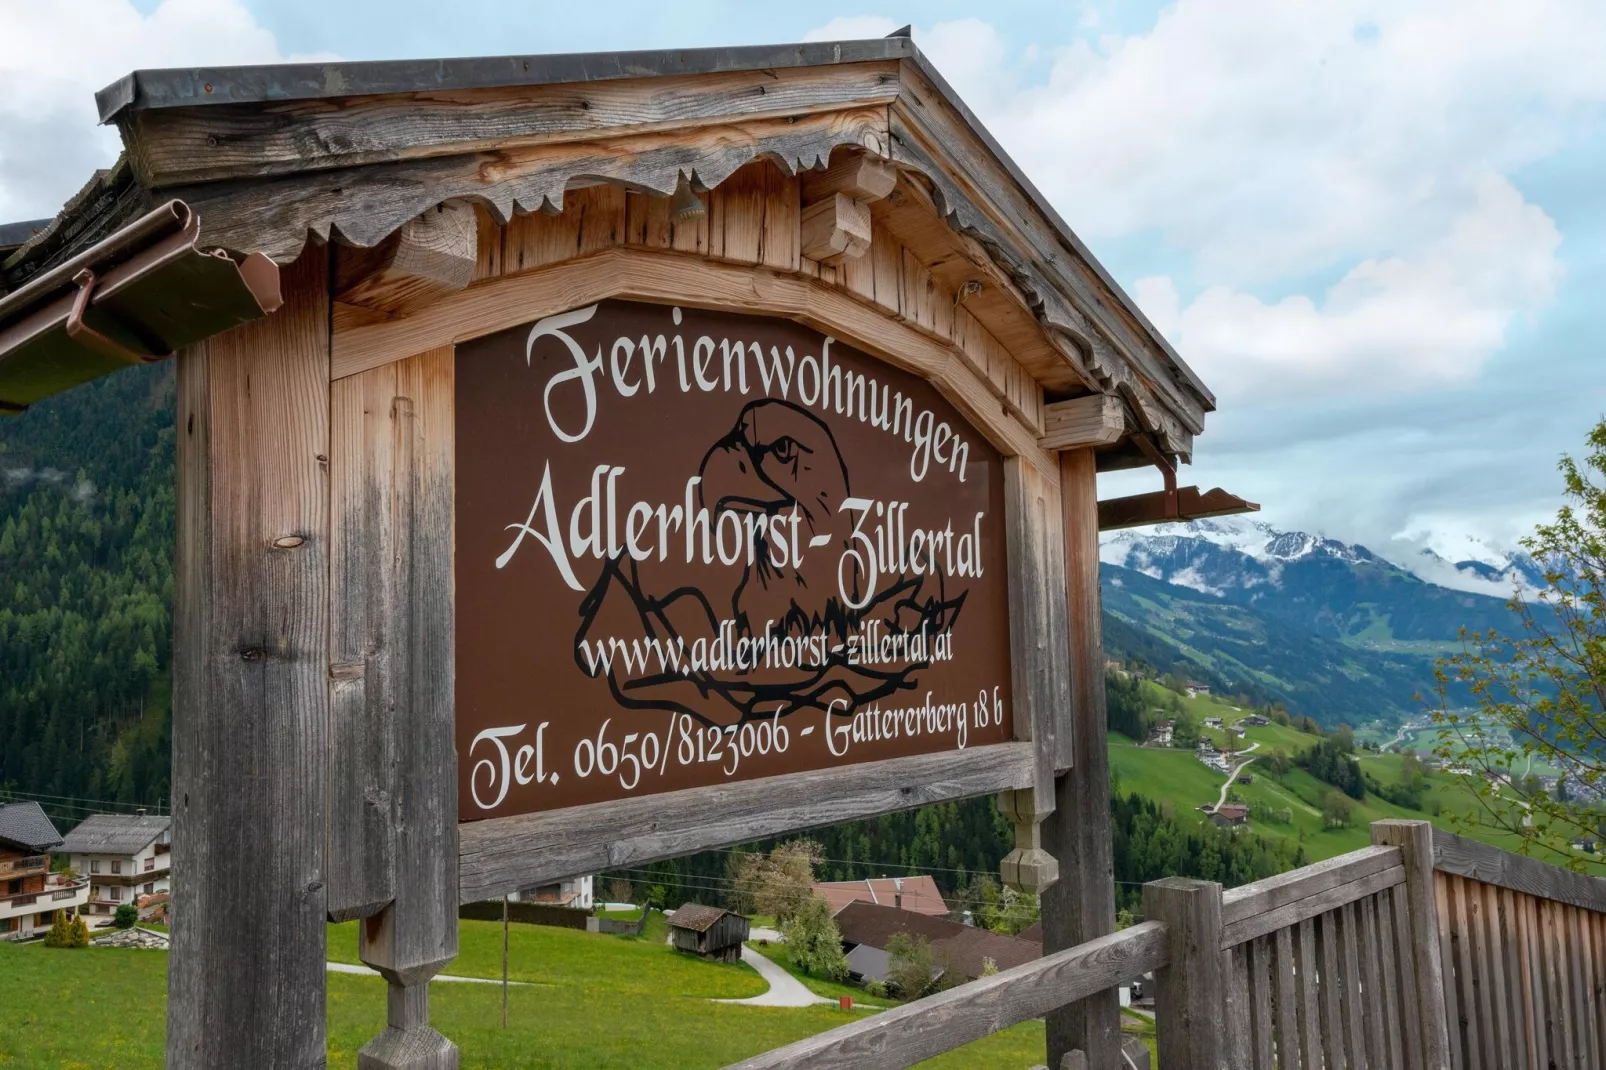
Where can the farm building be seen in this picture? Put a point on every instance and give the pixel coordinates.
(711, 932)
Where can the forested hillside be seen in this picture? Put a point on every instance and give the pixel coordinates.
(86, 590)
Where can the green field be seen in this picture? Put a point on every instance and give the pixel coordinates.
(593, 1001)
(1176, 776)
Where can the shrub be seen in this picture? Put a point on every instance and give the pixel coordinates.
(127, 916)
(814, 942)
(60, 934)
(80, 933)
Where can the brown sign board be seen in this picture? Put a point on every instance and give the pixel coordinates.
(694, 547)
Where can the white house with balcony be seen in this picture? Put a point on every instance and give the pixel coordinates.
(124, 857)
(30, 894)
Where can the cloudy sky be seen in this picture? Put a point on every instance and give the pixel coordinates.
(1377, 229)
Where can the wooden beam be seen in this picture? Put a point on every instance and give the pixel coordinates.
(836, 228)
(250, 695)
(500, 855)
(1155, 508)
(1242, 905)
(859, 176)
(431, 255)
(929, 1027)
(170, 146)
(277, 215)
(393, 828)
(669, 277)
(1095, 420)
(1081, 906)
(1491, 865)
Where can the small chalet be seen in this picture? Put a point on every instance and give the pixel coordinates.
(919, 894)
(1161, 734)
(1231, 814)
(1195, 689)
(1255, 720)
(1212, 722)
(30, 894)
(709, 932)
(125, 856)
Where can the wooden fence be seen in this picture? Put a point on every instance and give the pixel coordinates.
(1425, 951)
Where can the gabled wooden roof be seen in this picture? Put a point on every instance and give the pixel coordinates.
(272, 157)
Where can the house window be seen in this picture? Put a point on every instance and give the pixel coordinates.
(94, 866)
(150, 887)
(116, 893)
(150, 864)
(117, 867)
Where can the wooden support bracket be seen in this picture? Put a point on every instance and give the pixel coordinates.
(859, 176)
(1028, 868)
(431, 255)
(836, 229)
(1095, 420)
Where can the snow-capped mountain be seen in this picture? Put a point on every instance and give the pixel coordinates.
(1467, 564)
(1329, 587)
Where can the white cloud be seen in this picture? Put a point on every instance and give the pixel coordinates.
(1429, 317)
(1272, 145)
(59, 52)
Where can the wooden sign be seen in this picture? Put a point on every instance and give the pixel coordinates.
(698, 547)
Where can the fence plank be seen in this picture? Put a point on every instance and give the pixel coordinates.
(1415, 840)
(1352, 995)
(1235, 1012)
(1310, 1026)
(1494, 942)
(1404, 1001)
(1534, 981)
(1391, 984)
(1376, 996)
(1477, 957)
(1288, 1054)
(1332, 989)
(925, 1028)
(1578, 1005)
(1556, 1015)
(1260, 1005)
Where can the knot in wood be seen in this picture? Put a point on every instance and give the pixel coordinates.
(288, 542)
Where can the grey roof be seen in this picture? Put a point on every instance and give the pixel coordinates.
(14, 234)
(696, 917)
(25, 825)
(114, 834)
(178, 87)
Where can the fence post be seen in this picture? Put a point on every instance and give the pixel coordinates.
(1415, 840)
(1187, 997)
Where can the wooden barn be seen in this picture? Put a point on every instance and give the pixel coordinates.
(711, 932)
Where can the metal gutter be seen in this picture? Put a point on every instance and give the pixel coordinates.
(135, 297)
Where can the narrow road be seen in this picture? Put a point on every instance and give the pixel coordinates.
(785, 990)
(1232, 777)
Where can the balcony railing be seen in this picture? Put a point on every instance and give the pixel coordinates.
(26, 864)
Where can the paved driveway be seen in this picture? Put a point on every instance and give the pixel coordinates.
(785, 990)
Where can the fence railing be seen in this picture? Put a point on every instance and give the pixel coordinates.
(1424, 951)
(1524, 954)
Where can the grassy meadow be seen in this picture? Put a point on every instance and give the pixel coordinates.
(592, 1001)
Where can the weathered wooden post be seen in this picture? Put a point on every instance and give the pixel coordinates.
(1189, 992)
(250, 694)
